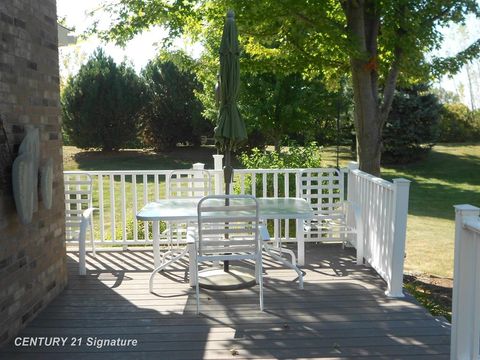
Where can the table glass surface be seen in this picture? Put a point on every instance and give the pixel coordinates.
(186, 209)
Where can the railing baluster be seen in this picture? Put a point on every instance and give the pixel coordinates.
(242, 183)
(145, 201)
(287, 194)
(134, 206)
(276, 226)
(101, 207)
(264, 185)
(112, 206)
(254, 184)
(123, 204)
(155, 190)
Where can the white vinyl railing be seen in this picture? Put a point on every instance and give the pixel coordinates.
(384, 208)
(119, 195)
(466, 284)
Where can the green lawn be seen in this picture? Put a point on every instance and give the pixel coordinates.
(449, 176)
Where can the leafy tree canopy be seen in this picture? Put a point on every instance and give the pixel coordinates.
(310, 36)
(379, 42)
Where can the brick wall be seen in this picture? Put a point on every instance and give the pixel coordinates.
(32, 257)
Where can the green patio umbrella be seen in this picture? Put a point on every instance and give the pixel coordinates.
(230, 130)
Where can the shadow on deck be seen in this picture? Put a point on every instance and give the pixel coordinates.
(341, 313)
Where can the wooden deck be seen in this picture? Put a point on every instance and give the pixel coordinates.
(341, 313)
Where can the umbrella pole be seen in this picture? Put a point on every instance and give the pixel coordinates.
(227, 175)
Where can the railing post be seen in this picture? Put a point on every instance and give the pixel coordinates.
(400, 211)
(218, 167)
(352, 165)
(466, 289)
(199, 175)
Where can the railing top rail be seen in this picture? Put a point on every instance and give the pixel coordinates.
(118, 172)
(472, 224)
(374, 179)
(138, 172)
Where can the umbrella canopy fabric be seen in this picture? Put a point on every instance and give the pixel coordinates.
(230, 130)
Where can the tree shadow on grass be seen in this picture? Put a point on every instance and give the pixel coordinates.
(445, 167)
(440, 182)
(179, 158)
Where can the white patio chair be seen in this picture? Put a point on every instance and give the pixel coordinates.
(184, 184)
(336, 219)
(181, 184)
(78, 213)
(227, 233)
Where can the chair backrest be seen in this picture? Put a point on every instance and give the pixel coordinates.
(188, 184)
(324, 190)
(78, 198)
(228, 224)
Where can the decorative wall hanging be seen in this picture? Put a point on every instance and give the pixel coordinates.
(25, 176)
(22, 181)
(46, 183)
(31, 145)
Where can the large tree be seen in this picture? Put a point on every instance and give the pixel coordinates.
(100, 104)
(375, 41)
(171, 113)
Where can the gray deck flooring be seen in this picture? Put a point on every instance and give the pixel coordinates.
(341, 313)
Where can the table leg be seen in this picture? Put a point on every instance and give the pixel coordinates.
(156, 244)
(300, 243)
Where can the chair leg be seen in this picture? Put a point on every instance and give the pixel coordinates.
(260, 281)
(191, 264)
(197, 287)
(164, 265)
(287, 264)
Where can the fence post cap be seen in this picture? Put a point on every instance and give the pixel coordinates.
(353, 165)
(401, 181)
(466, 208)
(217, 156)
(199, 166)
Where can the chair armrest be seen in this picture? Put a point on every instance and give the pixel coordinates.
(87, 214)
(191, 235)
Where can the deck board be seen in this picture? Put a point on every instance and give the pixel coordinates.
(341, 313)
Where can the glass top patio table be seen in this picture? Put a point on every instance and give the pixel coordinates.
(186, 209)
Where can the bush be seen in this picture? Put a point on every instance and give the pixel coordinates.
(412, 126)
(295, 157)
(100, 105)
(459, 124)
(172, 114)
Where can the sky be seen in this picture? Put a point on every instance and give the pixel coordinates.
(144, 46)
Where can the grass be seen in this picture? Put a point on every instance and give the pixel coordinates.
(449, 175)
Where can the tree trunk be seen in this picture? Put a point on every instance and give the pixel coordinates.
(366, 118)
(363, 24)
(277, 145)
(370, 114)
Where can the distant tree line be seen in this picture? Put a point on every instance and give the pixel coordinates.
(108, 106)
